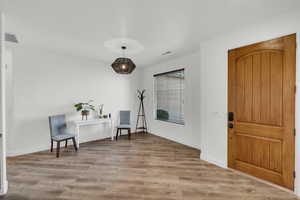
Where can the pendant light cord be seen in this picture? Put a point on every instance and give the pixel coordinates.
(123, 48)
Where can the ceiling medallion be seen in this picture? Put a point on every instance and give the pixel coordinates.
(123, 65)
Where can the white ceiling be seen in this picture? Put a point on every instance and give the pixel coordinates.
(82, 27)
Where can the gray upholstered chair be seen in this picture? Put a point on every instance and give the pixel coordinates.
(124, 123)
(58, 132)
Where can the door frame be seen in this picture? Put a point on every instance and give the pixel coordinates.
(231, 103)
(3, 176)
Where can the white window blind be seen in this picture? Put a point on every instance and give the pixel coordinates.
(169, 92)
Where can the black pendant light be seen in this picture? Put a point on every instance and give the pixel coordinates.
(123, 65)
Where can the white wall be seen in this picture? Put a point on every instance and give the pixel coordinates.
(47, 83)
(214, 83)
(188, 134)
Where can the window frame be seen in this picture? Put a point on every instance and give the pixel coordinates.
(155, 97)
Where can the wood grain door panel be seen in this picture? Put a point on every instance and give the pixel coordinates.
(259, 151)
(258, 87)
(261, 80)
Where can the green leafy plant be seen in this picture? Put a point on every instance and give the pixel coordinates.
(85, 106)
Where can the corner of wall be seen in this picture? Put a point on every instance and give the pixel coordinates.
(212, 160)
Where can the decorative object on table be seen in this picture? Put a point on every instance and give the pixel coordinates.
(85, 108)
(141, 113)
(58, 132)
(123, 65)
(101, 110)
(124, 123)
(105, 116)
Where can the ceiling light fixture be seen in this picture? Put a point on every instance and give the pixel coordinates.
(123, 65)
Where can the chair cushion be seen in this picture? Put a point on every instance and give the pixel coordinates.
(125, 126)
(62, 137)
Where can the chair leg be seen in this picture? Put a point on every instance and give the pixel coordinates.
(117, 134)
(51, 146)
(66, 145)
(129, 134)
(74, 143)
(57, 149)
(120, 132)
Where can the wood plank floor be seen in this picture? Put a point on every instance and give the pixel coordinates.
(147, 167)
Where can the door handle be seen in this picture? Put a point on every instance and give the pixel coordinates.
(230, 125)
(230, 116)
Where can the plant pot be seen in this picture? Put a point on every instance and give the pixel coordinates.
(85, 113)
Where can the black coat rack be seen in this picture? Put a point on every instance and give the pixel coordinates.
(141, 113)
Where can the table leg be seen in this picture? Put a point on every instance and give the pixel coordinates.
(77, 135)
(112, 129)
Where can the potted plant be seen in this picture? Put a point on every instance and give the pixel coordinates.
(84, 108)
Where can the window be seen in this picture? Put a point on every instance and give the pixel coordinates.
(169, 90)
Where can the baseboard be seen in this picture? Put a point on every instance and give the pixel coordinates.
(14, 153)
(45, 148)
(173, 140)
(27, 151)
(212, 160)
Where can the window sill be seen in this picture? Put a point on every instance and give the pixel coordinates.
(171, 122)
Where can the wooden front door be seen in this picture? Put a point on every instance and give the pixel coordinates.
(261, 106)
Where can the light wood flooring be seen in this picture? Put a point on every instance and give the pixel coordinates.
(145, 168)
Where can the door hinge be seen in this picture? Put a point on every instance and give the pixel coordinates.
(294, 132)
(294, 174)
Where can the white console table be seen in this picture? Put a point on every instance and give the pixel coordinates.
(90, 122)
